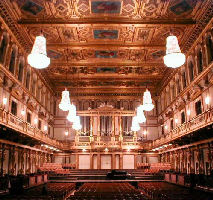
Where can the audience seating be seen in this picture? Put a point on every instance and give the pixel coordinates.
(162, 190)
(143, 165)
(49, 191)
(50, 167)
(69, 166)
(107, 191)
(154, 167)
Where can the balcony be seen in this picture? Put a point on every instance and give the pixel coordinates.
(196, 123)
(101, 142)
(19, 125)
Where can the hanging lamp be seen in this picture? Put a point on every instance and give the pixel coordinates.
(65, 101)
(135, 125)
(72, 113)
(38, 56)
(140, 114)
(147, 101)
(173, 58)
(77, 124)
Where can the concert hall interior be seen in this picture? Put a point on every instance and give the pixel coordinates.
(106, 99)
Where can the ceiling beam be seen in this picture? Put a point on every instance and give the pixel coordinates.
(105, 77)
(106, 21)
(108, 63)
(109, 45)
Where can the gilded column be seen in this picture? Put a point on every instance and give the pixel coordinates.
(98, 161)
(121, 162)
(2, 158)
(135, 161)
(77, 161)
(91, 161)
(113, 164)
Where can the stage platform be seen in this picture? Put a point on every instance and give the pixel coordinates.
(102, 176)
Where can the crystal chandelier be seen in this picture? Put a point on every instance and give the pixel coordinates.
(173, 58)
(135, 124)
(72, 113)
(77, 124)
(65, 101)
(38, 57)
(147, 101)
(140, 114)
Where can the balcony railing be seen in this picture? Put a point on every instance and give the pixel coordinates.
(18, 124)
(192, 125)
(116, 141)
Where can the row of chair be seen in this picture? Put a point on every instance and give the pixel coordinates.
(166, 191)
(50, 191)
(105, 191)
(154, 166)
(56, 167)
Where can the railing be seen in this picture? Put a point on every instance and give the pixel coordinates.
(90, 142)
(194, 124)
(18, 124)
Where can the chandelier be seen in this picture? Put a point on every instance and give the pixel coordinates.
(77, 124)
(173, 58)
(38, 56)
(135, 124)
(140, 114)
(147, 101)
(72, 113)
(65, 101)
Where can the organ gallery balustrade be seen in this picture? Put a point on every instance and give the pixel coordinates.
(198, 122)
(91, 142)
(18, 124)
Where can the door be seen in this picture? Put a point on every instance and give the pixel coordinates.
(128, 161)
(84, 161)
(106, 161)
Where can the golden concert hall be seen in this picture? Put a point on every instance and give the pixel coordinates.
(106, 99)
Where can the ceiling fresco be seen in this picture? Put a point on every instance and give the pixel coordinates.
(106, 43)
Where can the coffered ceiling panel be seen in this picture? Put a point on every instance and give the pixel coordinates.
(135, 9)
(106, 44)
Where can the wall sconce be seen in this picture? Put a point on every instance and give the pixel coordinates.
(45, 128)
(145, 132)
(188, 112)
(4, 101)
(176, 121)
(35, 121)
(106, 149)
(23, 112)
(207, 100)
(166, 127)
(128, 149)
(84, 150)
(66, 133)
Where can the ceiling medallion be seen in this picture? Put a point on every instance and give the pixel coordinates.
(173, 58)
(38, 56)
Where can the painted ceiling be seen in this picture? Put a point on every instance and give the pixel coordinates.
(101, 44)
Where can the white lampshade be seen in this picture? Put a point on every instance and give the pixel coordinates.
(72, 113)
(135, 125)
(77, 124)
(147, 101)
(66, 133)
(38, 57)
(140, 114)
(65, 101)
(173, 58)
